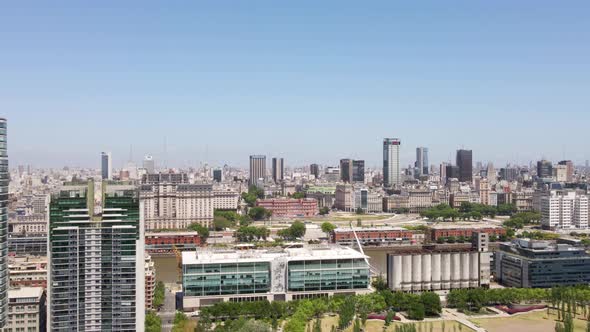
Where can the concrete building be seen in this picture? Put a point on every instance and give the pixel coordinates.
(443, 173)
(564, 210)
(482, 186)
(96, 249)
(391, 162)
(544, 169)
(4, 180)
(523, 200)
(290, 207)
(225, 199)
(367, 201)
(150, 282)
(27, 310)
(432, 270)
(376, 236)
(314, 169)
(465, 164)
(569, 170)
(210, 276)
(466, 230)
(28, 271)
(345, 170)
(278, 171)
(358, 171)
(525, 263)
(149, 164)
(106, 165)
(344, 197)
(167, 243)
(257, 169)
(325, 195)
(171, 205)
(560, 173)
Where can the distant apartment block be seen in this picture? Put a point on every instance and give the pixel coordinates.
(27, 310)
(564, 210)
(290, 207)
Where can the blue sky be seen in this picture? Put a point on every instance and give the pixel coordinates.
(312, 81)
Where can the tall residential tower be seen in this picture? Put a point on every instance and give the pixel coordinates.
(96, 258)
(391, 169)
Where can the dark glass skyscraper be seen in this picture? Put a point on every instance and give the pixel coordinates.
(544, 169)
(465, 164)
(345, 170)
(278, 170)
(4, 179)
(358, 171)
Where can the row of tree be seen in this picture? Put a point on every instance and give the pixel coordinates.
(467, 211)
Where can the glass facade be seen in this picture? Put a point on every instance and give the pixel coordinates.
(226, 278)
(327, 275)
(4, 179)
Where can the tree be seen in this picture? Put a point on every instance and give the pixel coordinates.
(259, 213)
(360, 211)
(253, 326)
(202, 230)
(416, 311)
(297, 230)
(359, 222)
(324, 210)
(220, 223)
(153, 323)
(328, 227)
(180, 321)
(347, 311)
(431, 302)
(298, 195)
(380, 284)
(159, 294)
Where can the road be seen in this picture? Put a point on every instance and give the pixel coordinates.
(168, 310)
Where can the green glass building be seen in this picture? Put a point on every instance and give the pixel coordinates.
(96, 262)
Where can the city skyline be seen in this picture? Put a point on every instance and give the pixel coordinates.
(216, 83)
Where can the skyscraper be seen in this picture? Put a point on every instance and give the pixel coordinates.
(149, 164)
(358, 171)
(4, 179)
(569, 169)
(314, 169)
(421, 161)
(345, 170)
(443, 173)
(217, 175)
(491, 174)
(96, 258)
(257, 169)
(106, 166)
(278, 172)
(465, 164)
(544, 169)
(391, 168)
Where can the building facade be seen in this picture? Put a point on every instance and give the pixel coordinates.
(27, 310)
(539, 264)
(344, 197)
(290, 207)
(564, 209)
(166, 243)
(278, 170)
(4, 180)
(465, 164)
(210, 277)
(421, 165)
(376, 236)
(106, 165)
(391, 162)
(96, 258)
(257, 169)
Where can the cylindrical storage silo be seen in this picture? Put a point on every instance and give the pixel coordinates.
(445, 264)
(474, 270)
(464, 270)
(426, 272)
(417, 272)
(397, 273)
(436, 272)
(407, 273)
(455, 270)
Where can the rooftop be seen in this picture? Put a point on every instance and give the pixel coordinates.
(25, 292)
(464, 225)
(369, 229)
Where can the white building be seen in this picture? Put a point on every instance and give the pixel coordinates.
(564, 210)
(26, 309)
(225, 199)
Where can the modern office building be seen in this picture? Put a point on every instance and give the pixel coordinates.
(213, 276)
(527, 263)
(149, 164)
(509, 174)
(564, 209)
(465, 164)
(345, 170)
(544, 169)
(4, 180)
(106, 165)
(27, 310)
(278, 170)
(452, 172)
(358, 171)
(257, 169)
(217, 175)
(314, 169)
(421, 165)
(96, 258)
(391, 162)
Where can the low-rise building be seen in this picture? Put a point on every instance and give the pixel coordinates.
(213, 276)
(28, 271)
(376, 236)
(225, 199)
(344, 197)
(290, 207)
(466, 230)
(526, 263)
(158, 243)
(27, 310)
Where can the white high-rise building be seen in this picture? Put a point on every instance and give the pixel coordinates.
(564, 210)
(106, 166)
(391, 169)
(149, 164)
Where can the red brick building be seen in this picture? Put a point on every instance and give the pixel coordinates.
(438, 231)
(166, 242)
(376, 236)
(290, 207)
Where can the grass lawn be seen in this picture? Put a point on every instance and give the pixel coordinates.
(327, 323)
(437, 326)
(539, 321)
